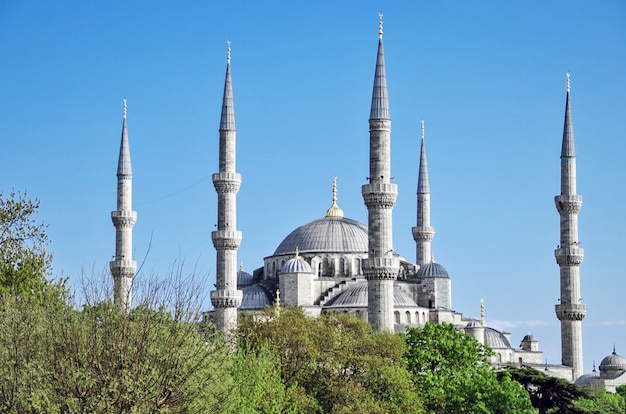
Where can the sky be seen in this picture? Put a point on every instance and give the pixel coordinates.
(487, 77)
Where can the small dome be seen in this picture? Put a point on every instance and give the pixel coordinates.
(529, 337)
(473, 324)
(432, 270)
(296, 265)
(255, 297)
(496, 339)
(612, 365)
(356, 297)
(586, 379)
(243, 278)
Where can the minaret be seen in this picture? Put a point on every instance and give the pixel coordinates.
(423, 233)
(569, 254)
(123, 267)
(226, 298)
(381, 266)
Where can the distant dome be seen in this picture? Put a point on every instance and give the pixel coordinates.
(612, 365)
(255, 297)
(473, 324)
(496, 339)
(586, 379)
(296, 265)
(529, 337)
(356, 297)
(328, 234)
(432, 270)
(243, 278)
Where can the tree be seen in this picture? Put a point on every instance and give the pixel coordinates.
(24, 262)
(548, 394)
(451, 372)
(334, 363)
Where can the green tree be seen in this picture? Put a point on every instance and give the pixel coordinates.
(548, 394)
(335, 364)
(24, 262)
(451, 371)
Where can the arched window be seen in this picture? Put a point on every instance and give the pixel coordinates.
(408, 317)
(397, 315)
(342, 266)
(417, 317)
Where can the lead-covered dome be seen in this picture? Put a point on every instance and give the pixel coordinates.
(432, 270)
(612, 365)
(328, 234)
(356, 297)
(296, 265)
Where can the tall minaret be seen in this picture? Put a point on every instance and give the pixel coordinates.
(226, 298)
(423, 233)
(123, 267)
(569, 254)
(381, 266)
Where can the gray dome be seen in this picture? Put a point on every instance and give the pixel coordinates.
(432, 270)
(243, 278)
(356, 297)
(496, 339)
(612, 365)
(296, 265)
(586, 379)
(473, 324)
(255, 297)
(328, 234)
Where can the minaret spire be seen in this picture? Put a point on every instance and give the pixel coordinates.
(381, 266)
(226, 239)
(569, 255)
(123, 266)
(423, 233)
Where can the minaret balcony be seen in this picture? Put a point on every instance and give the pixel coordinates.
(569, 256)
(571, 311)
(226, 182)
(423, 233)
(226, 239)
(124, 218)
(123, 267)
(379, 195)
(222, 298)
(381, 268)
(568, 203)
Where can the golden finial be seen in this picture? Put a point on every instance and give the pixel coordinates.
(482, 312)
(277, 303)
(297, 252)
(432, 257)
(124, 108)
(241, 266)
(380, 24)
(422, 130)
(568, 81)
(334, 210)
(228, 51)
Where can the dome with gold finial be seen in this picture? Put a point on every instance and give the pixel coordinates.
(332, 233)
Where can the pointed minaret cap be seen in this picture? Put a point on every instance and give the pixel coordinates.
(123, 165)
(334, 210)
(567, 149)
(423, 186)
(227, 121)
(380, 102)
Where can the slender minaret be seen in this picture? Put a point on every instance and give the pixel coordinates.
(569, 254)
(423, 233)
(381, 266)
(226, 298)
(123, 267)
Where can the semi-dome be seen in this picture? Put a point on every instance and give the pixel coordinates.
(432, 270)
(356, 297)
(585, 380)
(255, 297)
(496, 339)
(328, 234)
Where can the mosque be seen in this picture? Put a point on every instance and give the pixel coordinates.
(335, 264)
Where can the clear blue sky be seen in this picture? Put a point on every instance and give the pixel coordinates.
(488, 78)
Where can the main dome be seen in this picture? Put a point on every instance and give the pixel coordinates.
(328, 234)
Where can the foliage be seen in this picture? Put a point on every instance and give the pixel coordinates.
(601, 402)
(548, 394)
(335, 363)
(24, 262)
(153, 360)
(450, 370)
